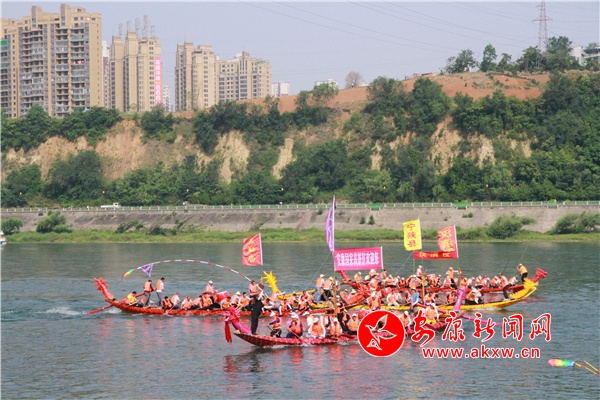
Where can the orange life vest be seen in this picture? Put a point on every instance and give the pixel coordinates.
(148, 287)
(353, 324)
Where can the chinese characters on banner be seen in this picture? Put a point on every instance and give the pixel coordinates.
(355, 259)
(157, 81)
(412, 235)
(447, 244)
(252, 251)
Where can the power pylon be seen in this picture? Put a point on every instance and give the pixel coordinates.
(542, 33)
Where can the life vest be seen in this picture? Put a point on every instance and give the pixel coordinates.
(175, 299)
(327, 284)
(320, 281)
(148, 287)
(277, 324)
(296, 328)
(335, 329)
(253, 289)
(131, 299)
(159, 286)
(353, 324)
(522, 269)
(430, 314)
(167, 303)
(206, 301)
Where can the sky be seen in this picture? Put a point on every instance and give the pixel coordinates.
(307, 42)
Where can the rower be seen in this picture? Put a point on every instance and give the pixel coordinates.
(523, 271)
(431, 314)
(276, 325)
(296, 329)
(166, 303)
(317, 331)
(175, 300)
(335, 329)
(132, 300)
(353, 325)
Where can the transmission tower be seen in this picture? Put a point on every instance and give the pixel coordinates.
(542, 33)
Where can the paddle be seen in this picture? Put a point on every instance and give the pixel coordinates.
(99, 309)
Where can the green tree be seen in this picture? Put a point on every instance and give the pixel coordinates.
(324, 93)
(464, 62)
(489, 57)
(22, 185)
(54, 222)
(11, 225)
(428, 106)
(77, 178)
(559, 54)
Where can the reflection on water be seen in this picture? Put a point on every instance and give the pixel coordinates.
(51, 347)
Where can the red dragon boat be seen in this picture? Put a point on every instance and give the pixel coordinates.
(102, 286)
(122, 305)
(232, 316)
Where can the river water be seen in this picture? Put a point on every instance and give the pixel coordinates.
(51, 347)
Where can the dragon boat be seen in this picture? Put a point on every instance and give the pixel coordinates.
(122, 305)
(102, 286)
(488, 292)
(529, 287)
(232, 316)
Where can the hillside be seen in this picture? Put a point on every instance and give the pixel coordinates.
(123, 150)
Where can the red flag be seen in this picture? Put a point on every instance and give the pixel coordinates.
(447, 239)
(252, 251)
(435, 255)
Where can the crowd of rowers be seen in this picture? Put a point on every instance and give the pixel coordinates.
(324, 289)
(406, 290)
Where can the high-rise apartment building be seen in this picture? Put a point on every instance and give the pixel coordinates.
(135, 73)
(203, 80)
(54, 60)
(244, 77)
(195, 79)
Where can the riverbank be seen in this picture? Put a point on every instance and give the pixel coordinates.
(300, 217)
(278, 235)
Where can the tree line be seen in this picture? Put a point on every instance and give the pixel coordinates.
(560, 130)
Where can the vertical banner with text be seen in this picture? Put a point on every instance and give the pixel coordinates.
(252, 251)
(412, 235)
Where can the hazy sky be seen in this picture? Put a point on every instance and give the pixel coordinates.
(311, 41)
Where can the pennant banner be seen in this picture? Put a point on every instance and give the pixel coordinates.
(354, 259)
(329, 227)
(412, 235)
(435, 255)
(252, 251)
(147, 268)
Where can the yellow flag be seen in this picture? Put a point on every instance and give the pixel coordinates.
(412, 235)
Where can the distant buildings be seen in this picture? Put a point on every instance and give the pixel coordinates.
(583, 56)
(60, 62)
(135, 74)
(280, 89)
(203, 80)
(332, 82)
(52, 60)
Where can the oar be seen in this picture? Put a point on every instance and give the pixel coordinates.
(99, 309)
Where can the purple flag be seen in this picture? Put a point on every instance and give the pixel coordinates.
(147, 268)
(329, 227)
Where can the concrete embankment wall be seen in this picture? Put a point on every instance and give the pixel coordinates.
(242, 220)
